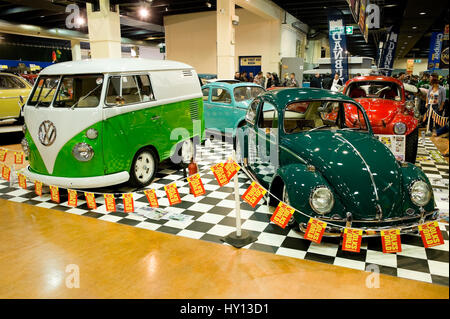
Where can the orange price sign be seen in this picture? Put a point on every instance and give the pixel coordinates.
(315, 230)
(18, 157)
(72, 199)
(253, 194)
(90, 200)
(196, 184)
(390, 240)
(22, 181)
(231, 168)
(6, 172)
(110, 202)
(431, 234)
(3, 153)
(172, 194)
(282, 214)
(128, 203)
(352, 240)
(38, 188)
(54, 193)
(220, 174)
(152, 198)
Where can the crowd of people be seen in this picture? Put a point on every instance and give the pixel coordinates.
(270, 80)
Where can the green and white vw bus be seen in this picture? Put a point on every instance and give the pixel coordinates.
(96, 123)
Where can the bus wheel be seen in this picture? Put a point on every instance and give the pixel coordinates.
(144, 168)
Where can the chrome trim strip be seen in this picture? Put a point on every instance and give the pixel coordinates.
(388, 220)
(339, 137)
(9, 97)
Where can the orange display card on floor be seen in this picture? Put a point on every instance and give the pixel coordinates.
(72, 199)
(282, 214)
(172, 194)
(152, 198)
(254, 194)
(6, 172)
(315, 230)
(128, 203)
(352, 240)
(220, 174)
(390, 240)
(90, 200)
(18, 157)
(3, 153)
(54, 193)
(38, 188)
(431, 234)
(22, 181)
(231, 168)
(110, 202)
(196, 184)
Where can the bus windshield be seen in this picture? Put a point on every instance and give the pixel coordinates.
(79, 91)
(44, 90)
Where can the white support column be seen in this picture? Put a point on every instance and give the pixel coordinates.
(225, 39)
(76, 50)
(104, 31)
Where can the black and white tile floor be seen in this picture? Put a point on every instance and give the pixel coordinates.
(213, 218)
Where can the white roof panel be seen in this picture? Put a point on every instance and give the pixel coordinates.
(112, 66)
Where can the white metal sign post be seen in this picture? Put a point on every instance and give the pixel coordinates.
(238, 238)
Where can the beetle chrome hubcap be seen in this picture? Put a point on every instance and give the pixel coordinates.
(144, 167)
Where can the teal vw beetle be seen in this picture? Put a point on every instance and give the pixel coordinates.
(314, 149)
(225, 104)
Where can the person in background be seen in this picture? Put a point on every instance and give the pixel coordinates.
(276, 80)
(250, 77)
(327, 81)
(244, 77)
(260, 79)
(285, 80)
(401, 76)
(316, 81)
(269, 80)
(237, 76)
(435, 99)
(293, 81)
(424, 84)
(336, 84)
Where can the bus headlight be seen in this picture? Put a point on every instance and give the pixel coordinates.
(321, 200)
(420, 193)
(399, 128)
(83, 152)
(92, 134)
(25, 147)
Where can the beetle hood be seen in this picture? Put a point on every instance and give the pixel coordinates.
(379, 110)
(350, 162)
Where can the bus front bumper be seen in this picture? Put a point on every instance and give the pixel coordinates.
(78, 182)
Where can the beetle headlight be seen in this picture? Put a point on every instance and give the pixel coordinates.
(420, 193)
(83, 152)
(399, 128)
(321, 200)
(25, 146)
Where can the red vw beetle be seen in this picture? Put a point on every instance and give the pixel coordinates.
(384, 99)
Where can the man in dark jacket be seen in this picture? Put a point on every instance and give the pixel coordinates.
(316, 81)
(327, 81)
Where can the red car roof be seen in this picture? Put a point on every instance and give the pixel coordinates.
(375, 78)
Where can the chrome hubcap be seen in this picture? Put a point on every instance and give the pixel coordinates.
(144, 167)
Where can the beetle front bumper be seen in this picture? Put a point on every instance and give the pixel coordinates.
(78, 182)
(408, 224)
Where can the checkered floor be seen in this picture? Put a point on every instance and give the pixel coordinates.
(211, 217)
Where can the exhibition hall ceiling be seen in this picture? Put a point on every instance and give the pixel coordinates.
(417, 19)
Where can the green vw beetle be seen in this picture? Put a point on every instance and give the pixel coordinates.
(315, 150)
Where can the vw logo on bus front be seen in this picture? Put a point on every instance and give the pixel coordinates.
(47, 133)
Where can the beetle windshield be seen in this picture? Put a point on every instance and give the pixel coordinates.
(243, 93)
(374, 90)
(322, 115)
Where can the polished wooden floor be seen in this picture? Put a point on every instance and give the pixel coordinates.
(119, 261)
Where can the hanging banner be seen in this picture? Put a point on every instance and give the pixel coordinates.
(54, 193)
(128, 203)
(231, 168)
(434, 56)
(338, 45)
(444, 53)
(22, 181)
(38, 188)
(151, 197)
(362, 20)
(6, 172)
(196, 184)
(72, 199)
(388, 53)
(110, 202)
(172, 194)
(254, 194)
(3, 153)
(219, 173)
(352, 240)
(354, 9)
(390, 240)
(431, 234)
(315, 230)
(409, 66)
(90, 200)
(18, 157)
(282, 215)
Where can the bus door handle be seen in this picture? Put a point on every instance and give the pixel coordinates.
(155, 118)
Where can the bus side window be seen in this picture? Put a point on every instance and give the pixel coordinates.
(113, 95)
(130, 89)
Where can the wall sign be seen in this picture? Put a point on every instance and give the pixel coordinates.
(434, 57)
(338, 44)
(388, 52)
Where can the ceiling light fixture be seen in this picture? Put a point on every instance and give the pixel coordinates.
(422, 13)
(143, 12)
(208, 5)
(80, 21)
(414, 28)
